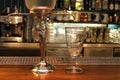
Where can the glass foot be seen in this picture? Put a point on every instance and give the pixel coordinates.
(74, 69)
(43, 67)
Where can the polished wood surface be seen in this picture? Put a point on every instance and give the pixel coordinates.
(91, 73)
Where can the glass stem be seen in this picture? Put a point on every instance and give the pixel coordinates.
(43, 48)
(43, 35)
(74, 61)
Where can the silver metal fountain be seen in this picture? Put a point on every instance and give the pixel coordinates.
(41, 8)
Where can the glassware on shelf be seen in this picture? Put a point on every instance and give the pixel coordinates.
(41, 9)
(75, 36)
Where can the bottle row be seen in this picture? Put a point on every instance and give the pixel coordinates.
(98, 35)
(88, 4)
(86, 17)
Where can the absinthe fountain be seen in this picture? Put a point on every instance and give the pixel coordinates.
(41, 9)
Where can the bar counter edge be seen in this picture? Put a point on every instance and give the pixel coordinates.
(59, 45)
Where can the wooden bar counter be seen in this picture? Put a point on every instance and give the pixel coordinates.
(95, 68)
(92, 72)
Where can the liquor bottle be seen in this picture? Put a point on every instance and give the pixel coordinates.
(98, 5)
(66, 4)
(111, 5)
(90, 4)
(107, 35)
(8, 10)
(115, 18)
(100, 35)
(93, 4)
(117, 5)
(86, 4)
(72, 3)
(105, 4)
(79, 5)
(59, 4)
(93, 35)
(111, 17)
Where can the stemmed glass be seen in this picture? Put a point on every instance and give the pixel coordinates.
(75, 36)
(41, 9)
